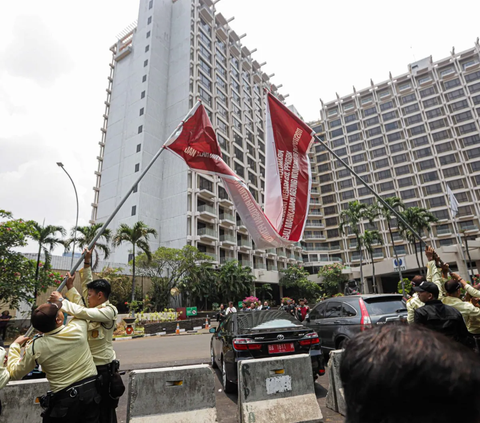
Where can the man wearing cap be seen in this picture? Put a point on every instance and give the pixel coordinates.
(470, 313)
(438, 316)
(414, 302)
(101, 316)
(63, 353)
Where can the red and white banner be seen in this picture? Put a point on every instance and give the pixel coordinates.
(195, 142)
(288, 178)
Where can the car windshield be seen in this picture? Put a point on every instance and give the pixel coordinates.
(261, 320)
(384, 305)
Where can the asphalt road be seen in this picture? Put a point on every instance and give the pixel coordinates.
(165, 351)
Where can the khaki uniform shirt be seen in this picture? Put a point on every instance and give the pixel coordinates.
(434, 274)
(63, 354)
(101, 319)
(472, 291)
(470, 313)
(4, 375)
(412, 304)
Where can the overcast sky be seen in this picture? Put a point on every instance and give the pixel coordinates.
(54, 58)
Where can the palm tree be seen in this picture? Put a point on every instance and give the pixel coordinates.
(396, 204)
(85, 236)
(368, 239)
(420, 220)
(351, 218)
(234, 281)
(47, 241)
(138, 236)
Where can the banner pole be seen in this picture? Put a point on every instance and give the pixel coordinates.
(114, 213)
(384, 203)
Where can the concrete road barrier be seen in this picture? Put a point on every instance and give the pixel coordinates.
(19, 403)
(173, 394)
(335, 396)
(277, 389)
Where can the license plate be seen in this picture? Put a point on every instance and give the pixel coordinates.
(281, 348)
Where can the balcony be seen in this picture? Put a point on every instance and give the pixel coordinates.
(378, 255)
(281, 253)
(227, 219)
(244, 243)
(469, 228)
(226, 259)
(206, 13)
(241, 226)
(245, 263)
(228, 239)
(205, 190)
(213, 256)
(443, 232)
(225, 201)
(208, 234)
(259, 265)
(207, 211)
(317, 237)
(272, 268)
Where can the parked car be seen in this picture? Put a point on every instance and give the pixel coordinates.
(260, 334)
(336, 320)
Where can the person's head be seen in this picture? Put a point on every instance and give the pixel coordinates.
(453, 288)
(427, 291)
(222, 307)
(265, 303)
(98, 292)
(383, 367)
(301, 301)
(5, 313)
(47, 317)
(230, 304)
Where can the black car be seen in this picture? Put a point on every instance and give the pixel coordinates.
(260, 334)
(336, 320)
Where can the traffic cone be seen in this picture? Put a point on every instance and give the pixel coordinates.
(177, 331)
(206, 323)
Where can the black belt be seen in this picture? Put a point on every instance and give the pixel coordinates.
(72, 390)
(103, 367)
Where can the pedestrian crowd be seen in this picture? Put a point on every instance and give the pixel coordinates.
(77, 358)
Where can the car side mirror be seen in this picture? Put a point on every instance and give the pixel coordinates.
(212, 330)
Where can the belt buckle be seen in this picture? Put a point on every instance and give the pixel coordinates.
(73, 393)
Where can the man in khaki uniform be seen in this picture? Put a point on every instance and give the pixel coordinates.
(414, 302)
(63, 353)
(101, 316)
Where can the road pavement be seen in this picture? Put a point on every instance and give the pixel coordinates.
(177, 350)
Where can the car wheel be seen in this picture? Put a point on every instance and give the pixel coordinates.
(212, 358)
(228, 386)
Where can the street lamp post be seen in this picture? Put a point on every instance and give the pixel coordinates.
(60, 164)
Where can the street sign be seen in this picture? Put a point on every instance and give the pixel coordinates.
(191, 311)
(399, 263)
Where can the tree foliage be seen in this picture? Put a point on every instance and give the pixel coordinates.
(332, 278)
(86, 234)
(234, 281)
(296, 279)
(18, 279)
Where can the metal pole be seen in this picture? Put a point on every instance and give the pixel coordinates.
(60, 164)
(373, 192)
(460, 246)
(122, 202)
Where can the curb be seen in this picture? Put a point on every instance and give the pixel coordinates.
(190, 332)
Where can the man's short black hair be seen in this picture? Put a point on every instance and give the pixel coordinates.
(44, 318)
(100, 285)
(400, 373)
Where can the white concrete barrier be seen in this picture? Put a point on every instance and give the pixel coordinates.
(335, 396)
(279, 389)
(173, 394)
(19, 403)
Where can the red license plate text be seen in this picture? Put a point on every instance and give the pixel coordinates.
(281, 348)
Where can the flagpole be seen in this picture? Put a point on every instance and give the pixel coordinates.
(460, 246)
(384, 203)
(119, 206)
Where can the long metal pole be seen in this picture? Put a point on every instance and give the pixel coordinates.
(384, 203)
(119, 206)
(76, 220)
(460, 247)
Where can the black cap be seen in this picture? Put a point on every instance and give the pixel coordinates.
(452, 286)
(427, 287)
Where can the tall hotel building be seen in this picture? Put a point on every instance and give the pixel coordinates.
(410, 136)
(181, 50)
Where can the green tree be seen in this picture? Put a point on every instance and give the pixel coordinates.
(332, 278)
(368, 240)
(296, 277)
(234, 281)
(167, 267)
(396, 204)
(137, 235)
(264, 291)
(199, 283)
(85, 236)
(420, 220)
(350, 221)
(47, 241)
(19, 278)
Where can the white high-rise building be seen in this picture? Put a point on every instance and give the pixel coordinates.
(179, 51)
(410, 136)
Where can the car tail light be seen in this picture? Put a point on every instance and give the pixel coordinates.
(321, 372)
(365, 321)
(309, 339)
(244, 344)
